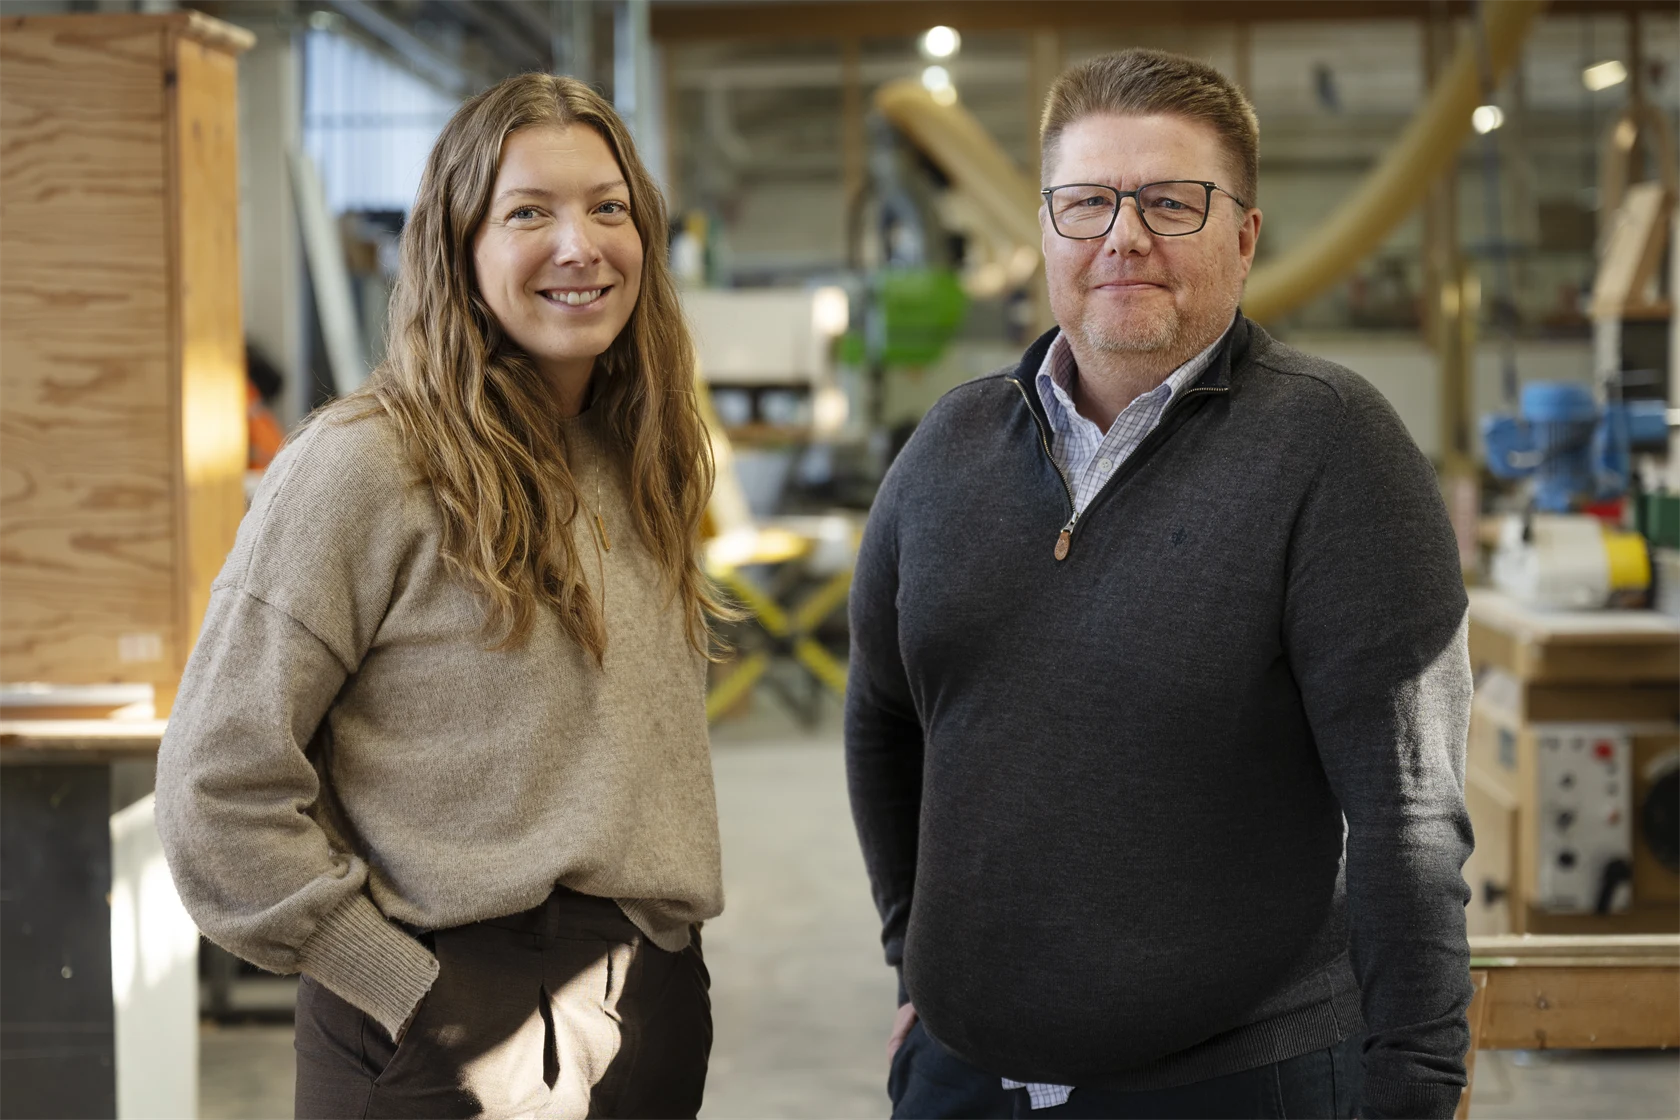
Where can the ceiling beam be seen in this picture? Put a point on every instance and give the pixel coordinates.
(512, 42)
(695, 20)
(425, 60)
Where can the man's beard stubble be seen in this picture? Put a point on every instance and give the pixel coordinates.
(1134, 335)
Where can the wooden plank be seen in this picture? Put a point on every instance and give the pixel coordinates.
(1609, 950)
(1659, 917)
(211, 386)
(36, 741)
(86, 509)
(1491, 868)
(186, 23)
(1500, 612)
(1638, 234)
(1579, 1007)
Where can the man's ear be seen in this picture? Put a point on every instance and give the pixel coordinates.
(1248, 236)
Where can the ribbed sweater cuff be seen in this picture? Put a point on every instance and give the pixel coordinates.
(1383, 1099)
(358, 955)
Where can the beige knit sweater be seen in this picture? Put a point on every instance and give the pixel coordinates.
(344, 751)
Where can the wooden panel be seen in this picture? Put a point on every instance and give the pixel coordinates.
(1604, 703)
(1491, 868)
(1606, 950)
(87, 537)
(1638, 234)
(1572, 1008)
(1661, 917)
(212, 378)
(1612, 647)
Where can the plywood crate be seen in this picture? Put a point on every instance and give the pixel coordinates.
(122, 396)
(1502, 796)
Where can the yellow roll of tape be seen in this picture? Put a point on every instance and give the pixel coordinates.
(1630, 560)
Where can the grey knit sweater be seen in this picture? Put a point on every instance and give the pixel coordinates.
(345, 754)
(1101, 798)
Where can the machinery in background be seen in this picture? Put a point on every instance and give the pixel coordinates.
(768, 356)
(1570, 549)
(1575, 453)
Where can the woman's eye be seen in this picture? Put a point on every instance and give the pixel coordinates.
(524, 213)
(612, 209)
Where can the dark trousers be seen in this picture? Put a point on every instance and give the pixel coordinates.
(563, 1011)
(928, 1082)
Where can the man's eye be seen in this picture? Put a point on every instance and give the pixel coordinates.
(1093, 201)
(1169, 204)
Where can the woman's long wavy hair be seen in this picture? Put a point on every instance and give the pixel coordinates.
(481, 423)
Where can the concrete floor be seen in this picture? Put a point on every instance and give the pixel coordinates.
(802, 1001)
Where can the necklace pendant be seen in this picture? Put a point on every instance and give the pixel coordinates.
(601, 530)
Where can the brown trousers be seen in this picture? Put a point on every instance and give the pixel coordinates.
(563, 1011)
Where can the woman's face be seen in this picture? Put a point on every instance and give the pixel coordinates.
(557, 257)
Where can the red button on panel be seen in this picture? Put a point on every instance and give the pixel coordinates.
(1603, 750)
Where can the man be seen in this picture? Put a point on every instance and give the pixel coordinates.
(1136, 624)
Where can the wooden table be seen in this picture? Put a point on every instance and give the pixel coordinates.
(1572, 993)
(57, 1021)
(1579, 647)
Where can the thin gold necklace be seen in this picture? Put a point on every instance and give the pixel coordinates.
(600, 525)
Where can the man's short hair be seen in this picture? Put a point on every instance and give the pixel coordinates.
(1139, 82)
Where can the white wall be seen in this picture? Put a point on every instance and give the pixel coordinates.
(154, 975)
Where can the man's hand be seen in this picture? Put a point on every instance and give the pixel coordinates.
(902, 1022)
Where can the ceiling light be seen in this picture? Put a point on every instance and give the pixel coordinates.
(941, 42)
(1486, 118)
(1603, 75)
(937, 81)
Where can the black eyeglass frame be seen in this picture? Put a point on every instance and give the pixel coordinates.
(1120, 198)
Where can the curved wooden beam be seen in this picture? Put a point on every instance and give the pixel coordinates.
(1394, 188)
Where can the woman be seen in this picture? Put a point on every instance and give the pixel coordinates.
(441, 746)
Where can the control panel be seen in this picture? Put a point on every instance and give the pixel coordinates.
(1585, 776)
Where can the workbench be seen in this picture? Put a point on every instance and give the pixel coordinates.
(98, 961)
(1572, 993)
(1545, 676)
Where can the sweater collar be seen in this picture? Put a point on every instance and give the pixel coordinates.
(1231, 353)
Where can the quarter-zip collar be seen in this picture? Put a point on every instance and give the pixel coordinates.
(1215, 381)
(1216, 376)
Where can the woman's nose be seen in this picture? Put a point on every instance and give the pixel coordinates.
(574, 243)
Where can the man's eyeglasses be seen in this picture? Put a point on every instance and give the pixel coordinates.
(1087, 211)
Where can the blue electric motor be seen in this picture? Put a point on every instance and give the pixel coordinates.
(1575, 453)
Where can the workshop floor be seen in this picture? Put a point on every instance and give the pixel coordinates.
(802, 1001)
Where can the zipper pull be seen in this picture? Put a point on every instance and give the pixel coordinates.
(1064, 539)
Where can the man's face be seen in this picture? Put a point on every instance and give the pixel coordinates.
(1135, 292)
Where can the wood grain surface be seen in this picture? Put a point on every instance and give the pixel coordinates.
(212, 362)
(117, 191)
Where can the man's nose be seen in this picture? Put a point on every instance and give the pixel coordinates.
(1129, 234)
